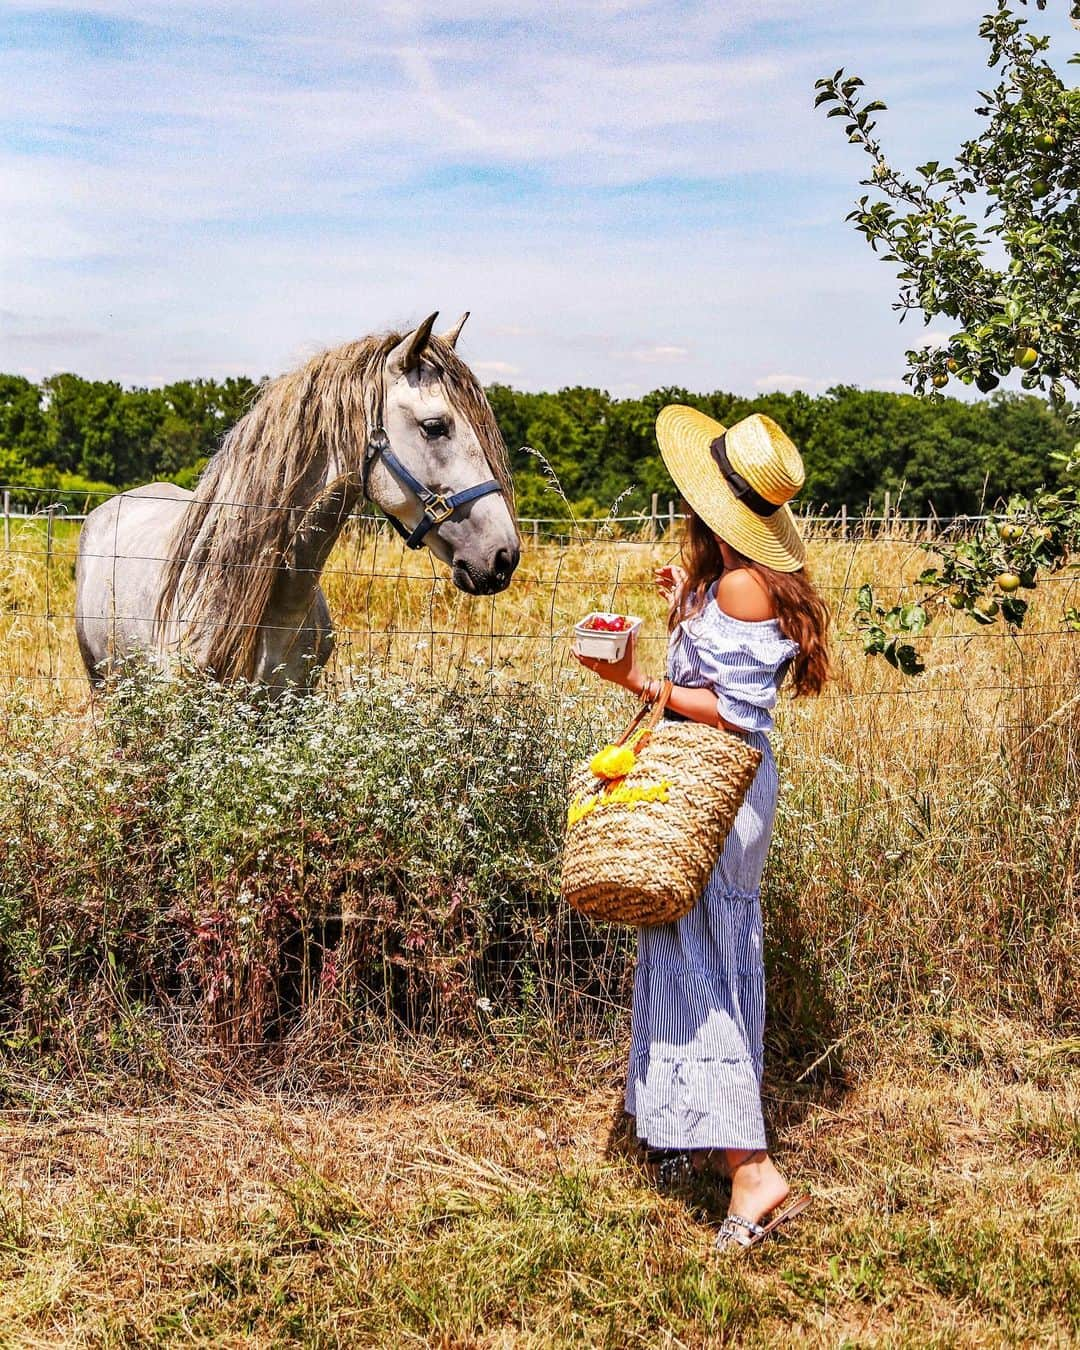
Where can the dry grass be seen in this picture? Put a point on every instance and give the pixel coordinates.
(459, 1199)
(923, 884)
(399, 611)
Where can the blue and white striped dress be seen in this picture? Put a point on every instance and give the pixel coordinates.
(699, 985)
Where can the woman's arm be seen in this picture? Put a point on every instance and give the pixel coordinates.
(741, 596)
(698, 705)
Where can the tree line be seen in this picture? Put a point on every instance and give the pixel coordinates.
(84, 436)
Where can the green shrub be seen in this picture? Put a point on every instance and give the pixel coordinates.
(391, 853)
(201, 868)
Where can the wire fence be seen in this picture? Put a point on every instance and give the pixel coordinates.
(394, 610)
(662, 519)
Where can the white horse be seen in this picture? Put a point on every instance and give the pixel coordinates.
(228, 576)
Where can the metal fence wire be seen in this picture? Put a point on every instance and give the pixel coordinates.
(398, 610)
(661, 518)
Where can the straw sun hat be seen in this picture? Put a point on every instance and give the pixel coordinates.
(739, 480)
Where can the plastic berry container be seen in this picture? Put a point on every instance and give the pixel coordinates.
(603, 635)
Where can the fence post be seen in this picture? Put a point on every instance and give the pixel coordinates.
(536, 533)
(7, 520)
(887, 513)
(843, 522)
(50, 516)
(653, 523)
(671, 516)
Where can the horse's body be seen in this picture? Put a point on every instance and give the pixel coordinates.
(228, 576)
(123, 555)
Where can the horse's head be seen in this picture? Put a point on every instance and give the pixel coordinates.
(442, 432)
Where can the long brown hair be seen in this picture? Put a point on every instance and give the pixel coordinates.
(800, 611)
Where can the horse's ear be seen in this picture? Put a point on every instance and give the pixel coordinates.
(451, 337)
(406, 355)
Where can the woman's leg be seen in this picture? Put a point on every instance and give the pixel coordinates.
(757, 1184)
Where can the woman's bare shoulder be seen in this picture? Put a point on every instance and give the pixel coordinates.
(741, 595)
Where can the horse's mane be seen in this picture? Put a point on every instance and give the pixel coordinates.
(233, 540)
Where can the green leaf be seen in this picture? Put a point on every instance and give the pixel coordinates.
(1014, 609)
(865, 599)
(907, 658)
(913, 618)
(874, 640)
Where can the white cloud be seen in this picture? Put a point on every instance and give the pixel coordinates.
(809, 384)
(494, 370)
(933, 337)
(619, 189)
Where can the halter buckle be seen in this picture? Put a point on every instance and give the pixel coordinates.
(439, 509)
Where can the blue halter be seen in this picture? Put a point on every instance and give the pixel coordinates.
(437, 506)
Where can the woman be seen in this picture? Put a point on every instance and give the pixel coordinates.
(743, 613)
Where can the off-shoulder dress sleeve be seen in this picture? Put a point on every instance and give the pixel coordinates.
(742, 661)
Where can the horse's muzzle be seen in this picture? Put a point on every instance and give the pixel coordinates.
(475, 580)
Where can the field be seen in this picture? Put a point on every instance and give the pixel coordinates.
(455, 1202)
(378, 1173)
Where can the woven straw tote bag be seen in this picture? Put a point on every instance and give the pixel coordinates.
(648, 817)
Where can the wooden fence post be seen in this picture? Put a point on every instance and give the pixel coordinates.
(671, 516)
(887, 513)
(843, 522)
(536, 533)
(7, 520)
(653, 522)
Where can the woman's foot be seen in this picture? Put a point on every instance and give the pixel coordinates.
(757, 1185)
(741, 1235)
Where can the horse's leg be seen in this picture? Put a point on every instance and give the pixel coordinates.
(297, 641)
(95, 666)
(323, 634)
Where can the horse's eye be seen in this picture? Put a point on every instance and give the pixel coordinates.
(434, 427)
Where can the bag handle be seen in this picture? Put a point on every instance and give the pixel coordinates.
(649, 714)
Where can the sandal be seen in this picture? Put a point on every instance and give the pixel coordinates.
(739, 1234)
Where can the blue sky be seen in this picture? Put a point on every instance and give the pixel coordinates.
(625, 193)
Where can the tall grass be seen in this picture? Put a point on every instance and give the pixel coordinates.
(185, 869)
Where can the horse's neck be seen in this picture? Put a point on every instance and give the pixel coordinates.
(317, 524)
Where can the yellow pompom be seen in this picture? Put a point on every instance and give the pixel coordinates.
(614, 761)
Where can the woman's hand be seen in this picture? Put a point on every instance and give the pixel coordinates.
(670, 581)
(626, 672)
